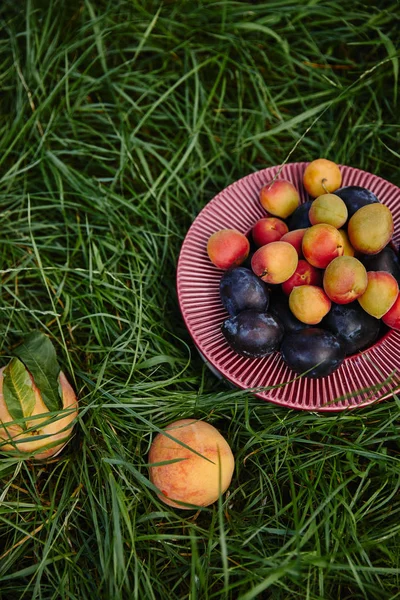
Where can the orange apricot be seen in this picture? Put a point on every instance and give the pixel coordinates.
(227, 248)
(345, 279)
(279, 198)
(275, 262)
(321, 176)
(321, 244)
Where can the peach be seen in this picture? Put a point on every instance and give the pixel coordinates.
(381, 293)
(268, 230)
(392, 317)
(204, 467)
(305, 274)
(55, 431)
(348, 249)
(371, 228)
(309, 304)
(280, 198)
(321, 244)
(295, 237)
(228, 248)
(328, 208)
(275, 262)
(345, 279)
(321, 176)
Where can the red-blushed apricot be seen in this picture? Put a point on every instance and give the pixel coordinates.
(345, 279)
(381, 293)
(280, 198)
(305, 274)
(321, 244)
(275, 262)
(392, 317)
(295, 237)
(193, 479)
(328, 208)
(321, 176)
(46, 436)
(309, 304)
(227, 248)
(348, 249)
(371, 228)
(267, 230)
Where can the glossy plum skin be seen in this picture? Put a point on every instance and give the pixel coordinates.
(385, 260)
(300, 219)
(253, 334)
(314, 350)
(350, 323)
(354, 197)
(241, 290)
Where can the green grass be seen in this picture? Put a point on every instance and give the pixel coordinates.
(119, 121)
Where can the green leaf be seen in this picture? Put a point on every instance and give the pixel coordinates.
(18, 391)
(39, 357)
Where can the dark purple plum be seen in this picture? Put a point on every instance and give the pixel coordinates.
(354, 197)
(314, 350)
(352, 325)
(385, 260)
(253, 334)
(299, 218)
(241, 290)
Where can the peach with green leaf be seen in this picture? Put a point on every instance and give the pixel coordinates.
(38, 406)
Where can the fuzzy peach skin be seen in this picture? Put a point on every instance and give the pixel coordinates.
(193, 480)
(58, 430)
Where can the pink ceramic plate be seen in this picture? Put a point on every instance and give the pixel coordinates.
(238, 206)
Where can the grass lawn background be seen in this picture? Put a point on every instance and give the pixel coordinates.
(119, 121)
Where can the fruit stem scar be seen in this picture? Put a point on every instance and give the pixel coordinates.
(324, 186)
(264, 273)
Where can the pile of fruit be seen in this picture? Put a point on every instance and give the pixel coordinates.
(316, 281)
